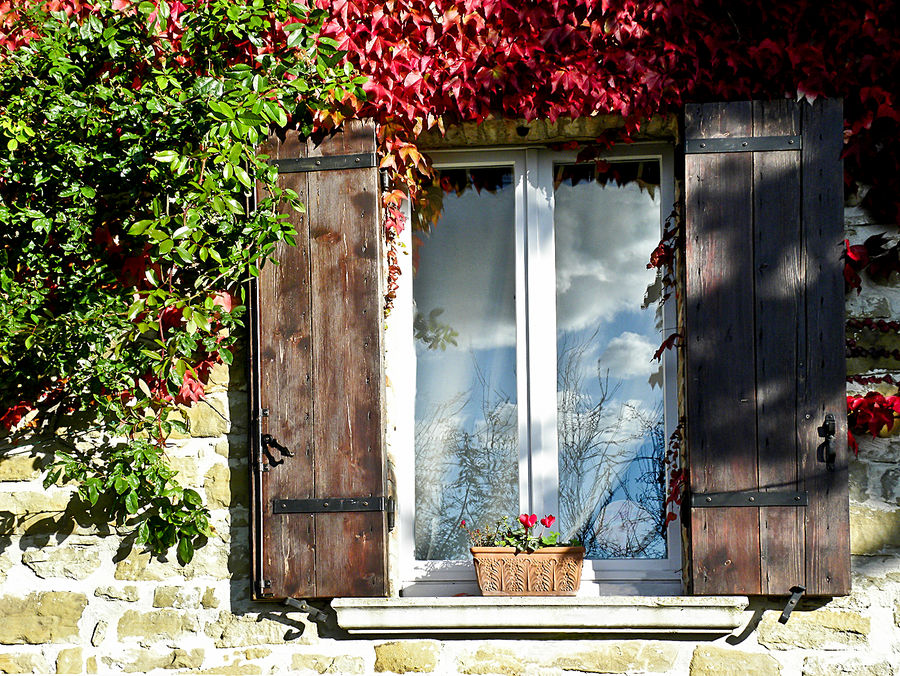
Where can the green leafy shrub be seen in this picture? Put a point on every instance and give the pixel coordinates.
(127, 228)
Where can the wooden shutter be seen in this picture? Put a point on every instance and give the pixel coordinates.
(764, 325)
(320, 515)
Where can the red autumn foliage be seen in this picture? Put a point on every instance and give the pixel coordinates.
(872, 412)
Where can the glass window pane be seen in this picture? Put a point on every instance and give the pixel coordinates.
(465, 331)
(609, 389)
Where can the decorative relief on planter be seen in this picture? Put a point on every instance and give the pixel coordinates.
(551, 571)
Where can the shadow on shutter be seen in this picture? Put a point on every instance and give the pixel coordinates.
(319, 517)
(764, 314)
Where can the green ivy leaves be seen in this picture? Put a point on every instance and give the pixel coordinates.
(126, 231)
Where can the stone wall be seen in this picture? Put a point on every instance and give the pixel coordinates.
(75, 599)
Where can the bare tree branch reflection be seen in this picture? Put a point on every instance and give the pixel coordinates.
(464, 471)
(611, 455)
(610, 460)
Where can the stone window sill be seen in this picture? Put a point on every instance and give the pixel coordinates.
(709, 615)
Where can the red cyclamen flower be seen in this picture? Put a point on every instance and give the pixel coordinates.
(548, 520)
(528, 521)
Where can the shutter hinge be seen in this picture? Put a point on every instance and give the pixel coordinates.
(315, 614)
(328, 505)
(261, 587)
(300, 165)
(746, 144)
(333, 505)
(796, 593)
(751, 499)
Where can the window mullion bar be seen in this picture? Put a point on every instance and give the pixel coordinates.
(522, 335)
(541, 280)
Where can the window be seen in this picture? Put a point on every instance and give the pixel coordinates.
(535, 322)
(763, 369)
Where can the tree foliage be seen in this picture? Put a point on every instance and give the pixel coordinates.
(125, 228)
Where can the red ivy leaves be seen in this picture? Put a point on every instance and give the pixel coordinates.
(667, 344)
(876, 255)
(676, 473)
(871, 414)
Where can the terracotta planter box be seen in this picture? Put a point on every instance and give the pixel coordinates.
(551, 571)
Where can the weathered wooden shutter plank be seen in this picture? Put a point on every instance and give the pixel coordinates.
(720, 296)
(761, 377)
(345, 253)
(822, 388)
(285, 390)
(779, 301)
(319, 332)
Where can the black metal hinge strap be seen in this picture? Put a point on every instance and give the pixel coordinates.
(314, 613)
(746, 144)
(750, 499)
(325, 163)
(325, 505)
(796, 593)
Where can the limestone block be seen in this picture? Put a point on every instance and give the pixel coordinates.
(211, 560)
(209, 417)
(222, 483)
(73, 562)
(20, 663)
(156, 625)
(874, 307)
(859, 480)
(239, 560)
(218, 378)
(188, 472)
(844, 666)
(814, 629)
(140, 566)
(143, 661)
(176, 597)
(255, 653)
(44, 617)
(237, 669)
(20, 467)
(5, 565)
(69, 661)
(99, 632)
(711, 660)
(90, 665)
(873, 531)
(34, 512)
(403, 657)
(323, 664)
(233, 631)
(222, 447)
(209, 600)
(620, 657)
(880, 449)
(488, 660)
(890, 485)
(127, 593)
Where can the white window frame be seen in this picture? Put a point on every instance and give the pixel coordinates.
(535, 331)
